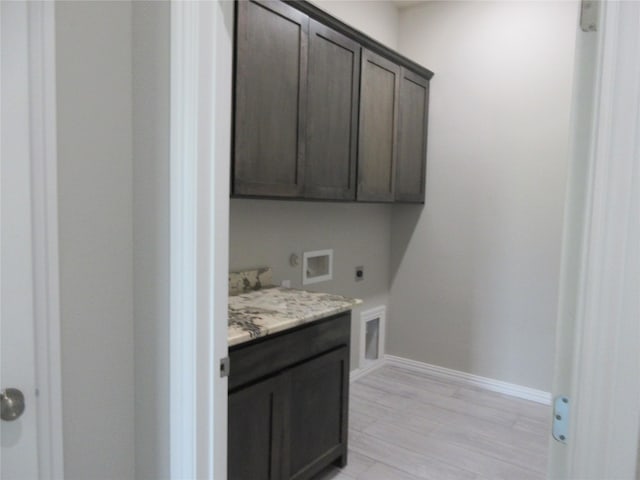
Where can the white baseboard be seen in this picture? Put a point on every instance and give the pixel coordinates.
(505, 388)
(361, 372)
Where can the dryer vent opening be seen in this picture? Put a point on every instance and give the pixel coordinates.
(372, 336)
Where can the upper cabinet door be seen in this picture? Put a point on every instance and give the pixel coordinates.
(379, 87)
(412, 138)
(332, 115)
(270, 99)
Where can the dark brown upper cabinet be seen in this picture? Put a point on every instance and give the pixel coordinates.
(270, 99)
(323, 111)
(332, 114)
(412, 138)
(379, 87)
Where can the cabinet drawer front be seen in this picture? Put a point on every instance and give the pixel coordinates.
(268, 355)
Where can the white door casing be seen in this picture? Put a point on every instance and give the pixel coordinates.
(19, 437)
(201, 66)
(599, 328)
(29, 322)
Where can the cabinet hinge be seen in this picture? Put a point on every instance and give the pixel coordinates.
(589, 12)
(561, 418)
(225, 367)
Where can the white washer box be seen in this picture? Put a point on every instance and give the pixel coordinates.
(317, 266)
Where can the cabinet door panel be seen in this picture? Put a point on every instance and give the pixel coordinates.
(378, 128)
(270, 96)
(332, 115)
(412, 138)
(255, 431)
(317, 413)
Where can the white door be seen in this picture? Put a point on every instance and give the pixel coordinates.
(19, 458)
(598, 345)
(201, 62)
(31, 444)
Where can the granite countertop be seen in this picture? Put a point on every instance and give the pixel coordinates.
(262, 312)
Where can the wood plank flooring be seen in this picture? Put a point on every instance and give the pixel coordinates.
(407, 425)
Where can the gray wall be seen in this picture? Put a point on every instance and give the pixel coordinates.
(266, 232)
(376, 18)
(151, 64)
(93, 64)
(475, 272)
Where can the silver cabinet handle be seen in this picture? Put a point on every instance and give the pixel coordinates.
(12, 403)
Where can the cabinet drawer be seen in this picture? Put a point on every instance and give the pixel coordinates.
(269, 355)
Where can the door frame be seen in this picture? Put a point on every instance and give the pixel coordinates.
(200, 138)
(604, 388)
(201, 66)
(44, 205)
(603, 441)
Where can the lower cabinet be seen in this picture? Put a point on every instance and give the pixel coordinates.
(316, 433)
(255, 431)
(293, 423)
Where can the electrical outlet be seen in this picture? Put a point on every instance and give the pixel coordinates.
(359, 273)
(285, 283)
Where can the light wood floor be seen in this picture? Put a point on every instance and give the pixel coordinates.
(405, 425)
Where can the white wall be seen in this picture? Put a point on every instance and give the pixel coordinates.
(151, 63)
(475, 272)
(93, 49)
(376, 18)
(266, 232)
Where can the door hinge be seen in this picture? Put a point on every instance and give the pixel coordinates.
(589, 12)
(225, 367)
(561, 418)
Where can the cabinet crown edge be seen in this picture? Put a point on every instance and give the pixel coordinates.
(365, 40)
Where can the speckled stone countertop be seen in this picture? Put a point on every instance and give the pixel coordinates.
(263, 312)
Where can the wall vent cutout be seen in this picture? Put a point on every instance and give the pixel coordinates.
(317, 266)
(372, 336)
